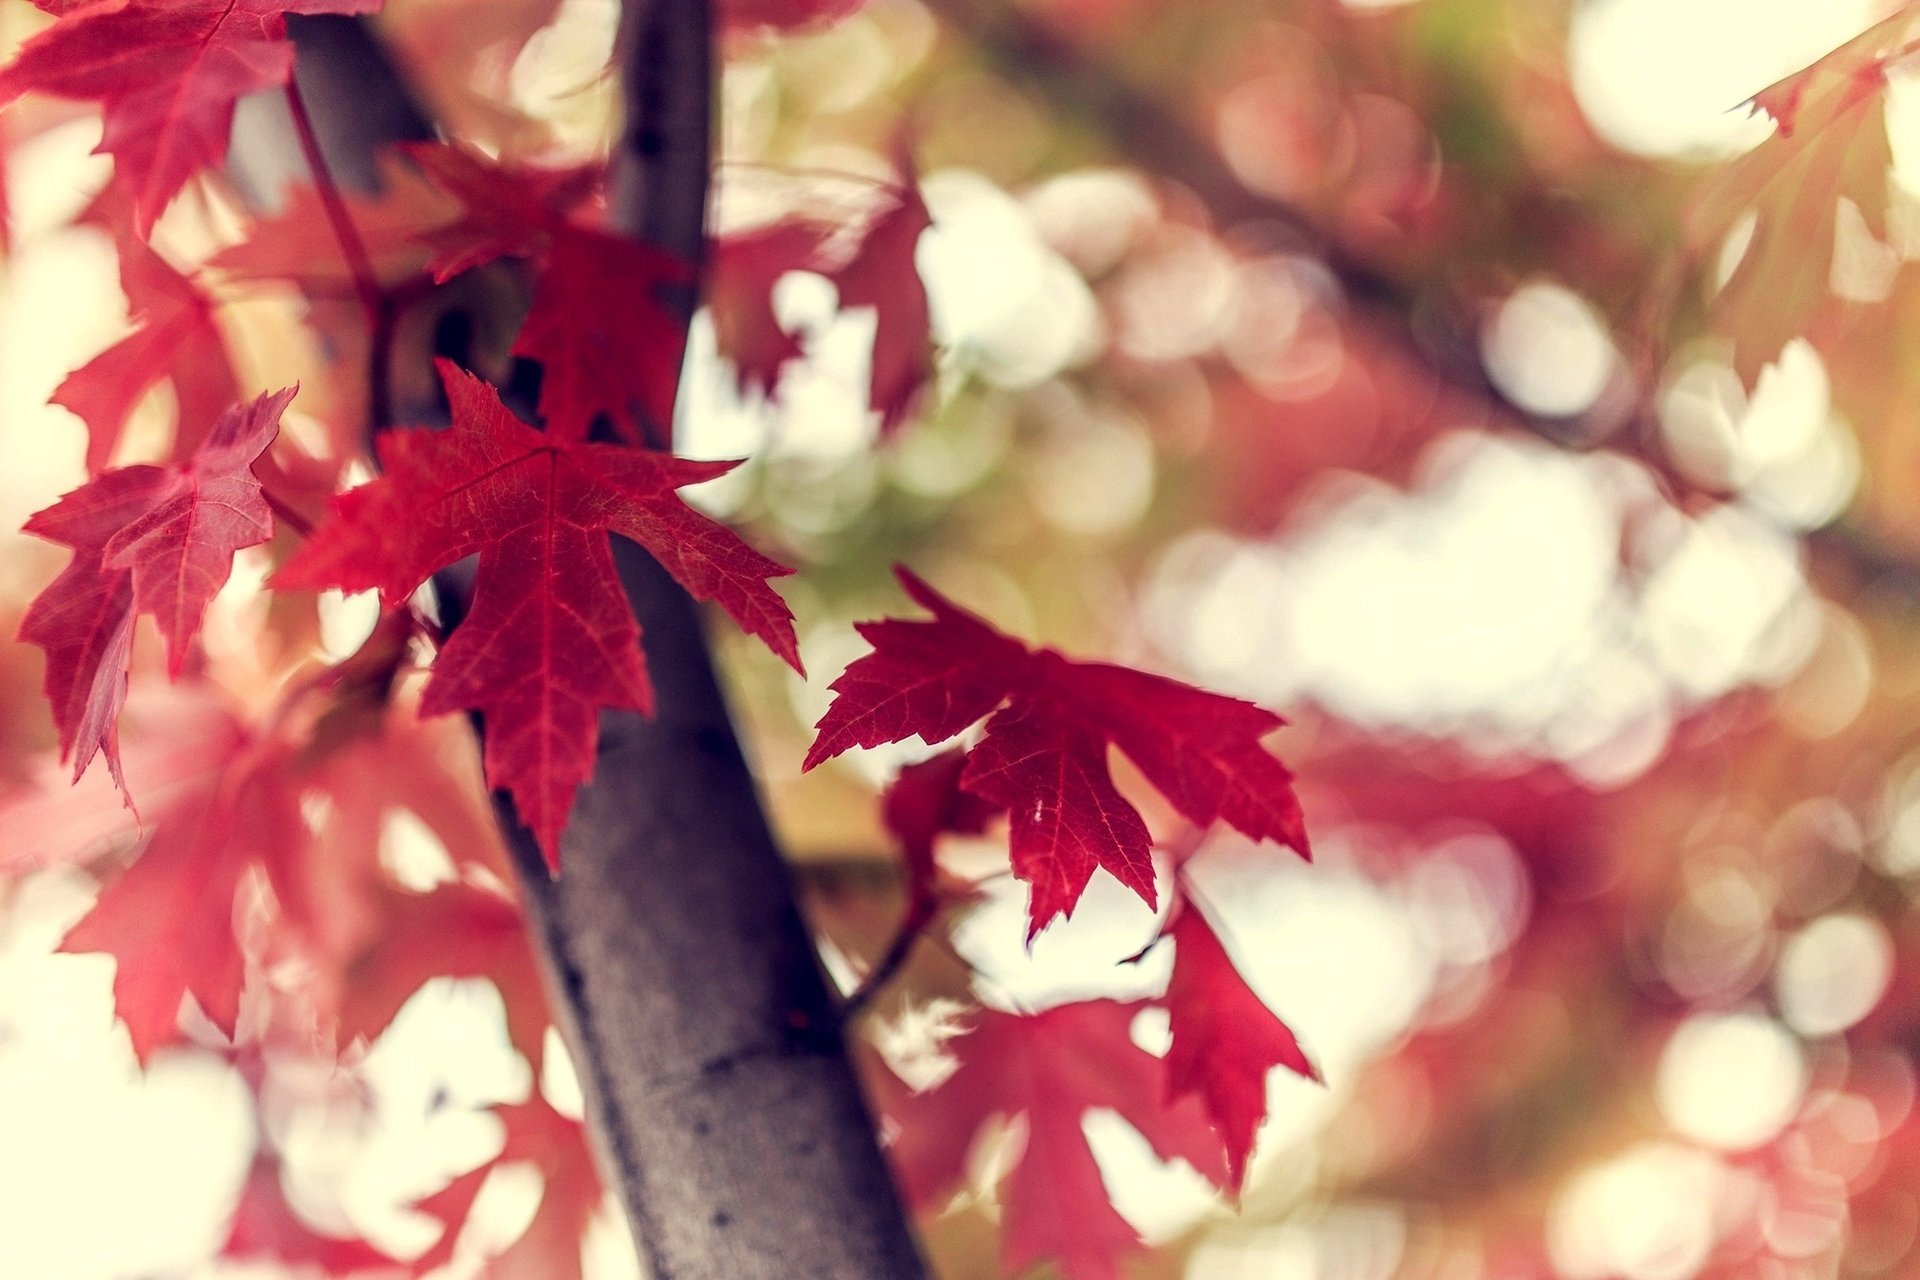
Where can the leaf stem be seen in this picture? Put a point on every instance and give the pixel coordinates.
(365, 283)
(920, 913)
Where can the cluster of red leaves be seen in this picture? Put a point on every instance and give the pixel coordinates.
(258, 851)
(258, 891)
(1044, 756)
(1043, 760)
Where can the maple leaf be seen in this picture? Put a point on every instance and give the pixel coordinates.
(1831, 142)
(550, 640)
(604, 338)
(746, 266)
(504, 212)
(1047, 1070)
(1225, 1039)
(874, 269)
(216, 798)
(365, 944)
(266, 1228)
(1044, 757)
(599, 324)
(174, 338)
(550, 1247)
(166, 74)
(881, 274)
(922, 802)
(456, 930)
(145, 539)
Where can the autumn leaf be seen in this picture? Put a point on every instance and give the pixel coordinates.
(746, 267)
(1225, 1039)
(504, 212)
(881, 274)
(607, 344)
(604, 338)
(174, 338)
(923, 802)
(873, 269)
(1044, 757)
(145, 539)
(1830, 144)
(1047, 1071)
(455, 930)
(166, 74)
(549, 1248)
(550, 640)
(298, 242)
(168, 920)
(266, 1228)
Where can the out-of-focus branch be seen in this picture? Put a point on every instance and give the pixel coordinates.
(1160, 141)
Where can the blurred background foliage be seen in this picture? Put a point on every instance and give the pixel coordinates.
(1363, 360)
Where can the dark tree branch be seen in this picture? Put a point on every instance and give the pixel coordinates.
(718, 1086)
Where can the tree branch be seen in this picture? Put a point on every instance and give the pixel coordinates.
(709, 1046)
(718, 1086)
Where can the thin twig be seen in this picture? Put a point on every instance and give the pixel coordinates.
(382, 309)
(365, 282)
(920, 913)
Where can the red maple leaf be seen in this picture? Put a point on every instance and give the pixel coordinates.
(145, 539)
(298, 243)
(873, 269)
(550, 1247)
(1044, 757)
(174, 338)
(881, 274)
(550, 640)
(166, 74)
(1225, 1038)
(924, 801)
(455, 930)
(746, 267)
(266, 1228)
(215, 798)
(604, 338)
(1047, 1070)
(504, 212)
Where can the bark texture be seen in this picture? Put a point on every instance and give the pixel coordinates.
(709, 1047)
